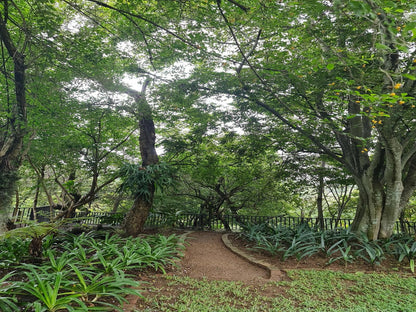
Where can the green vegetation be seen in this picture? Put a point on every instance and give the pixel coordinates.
(337, 245)
(306, 291)
(87, 272)
(300, 108)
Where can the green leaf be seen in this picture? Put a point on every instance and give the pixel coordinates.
(330, 66)
(408, 76)
(381, 46)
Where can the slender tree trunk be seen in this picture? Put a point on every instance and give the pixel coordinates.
(319, 199)
(14, 130)
(136, 217)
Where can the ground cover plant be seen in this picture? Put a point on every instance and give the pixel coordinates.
(304, 290)
(338, 245)
(93, 271)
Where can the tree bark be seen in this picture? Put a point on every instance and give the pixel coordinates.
(136, 217)
(384, 190)
(14, 130)
(319, 199)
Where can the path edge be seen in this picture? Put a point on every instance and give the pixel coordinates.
(272, 271)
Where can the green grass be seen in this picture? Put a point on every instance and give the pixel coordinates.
(307, 291)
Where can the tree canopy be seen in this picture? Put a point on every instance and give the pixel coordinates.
(328, 78)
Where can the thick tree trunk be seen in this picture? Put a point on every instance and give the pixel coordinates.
(7, 187)
(383, 195)
(370, 205)
(137, 216)
(377, 211)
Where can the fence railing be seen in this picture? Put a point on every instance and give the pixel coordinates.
(202, 221)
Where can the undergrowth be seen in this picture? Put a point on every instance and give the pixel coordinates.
(87, 272)
(336, 245)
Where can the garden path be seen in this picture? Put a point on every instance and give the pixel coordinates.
(207, 257)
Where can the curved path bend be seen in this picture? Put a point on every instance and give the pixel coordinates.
(211, 255)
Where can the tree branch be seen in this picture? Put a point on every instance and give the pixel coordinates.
(242, 7)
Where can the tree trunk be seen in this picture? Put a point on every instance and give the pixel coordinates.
(370, 205)
(136, 217)
(7, 187)
(385, 190)
(319, 199)
(14, 128)
(378, 210)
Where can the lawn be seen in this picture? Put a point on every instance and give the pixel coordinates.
(304, 290)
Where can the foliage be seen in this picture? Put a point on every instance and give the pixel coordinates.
(301, 78)
(34, 230)
(335, 245)
(13, 251)
(406, 249)
(85, 270)
(8, 300)
(47, 289)
(138, 180)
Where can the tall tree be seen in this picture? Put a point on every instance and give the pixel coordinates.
(339, 74)
(345, 68)
(13, 116)
(136, 217)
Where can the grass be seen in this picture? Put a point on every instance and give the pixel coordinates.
(306, 291)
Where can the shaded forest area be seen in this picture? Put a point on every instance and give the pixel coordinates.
(217, 107)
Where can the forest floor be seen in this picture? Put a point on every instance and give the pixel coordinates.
(207, 258)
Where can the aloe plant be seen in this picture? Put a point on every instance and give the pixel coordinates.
(273, 247)
(346, 255)
(59, 263)
(370, 252)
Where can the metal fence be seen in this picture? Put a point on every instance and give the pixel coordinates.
(202, 221)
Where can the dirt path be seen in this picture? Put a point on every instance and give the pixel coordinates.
(206, 256)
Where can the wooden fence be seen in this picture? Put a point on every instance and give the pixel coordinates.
(203, 221)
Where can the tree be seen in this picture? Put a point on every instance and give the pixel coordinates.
(338, 74)
(220, 171)
(15, 45)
